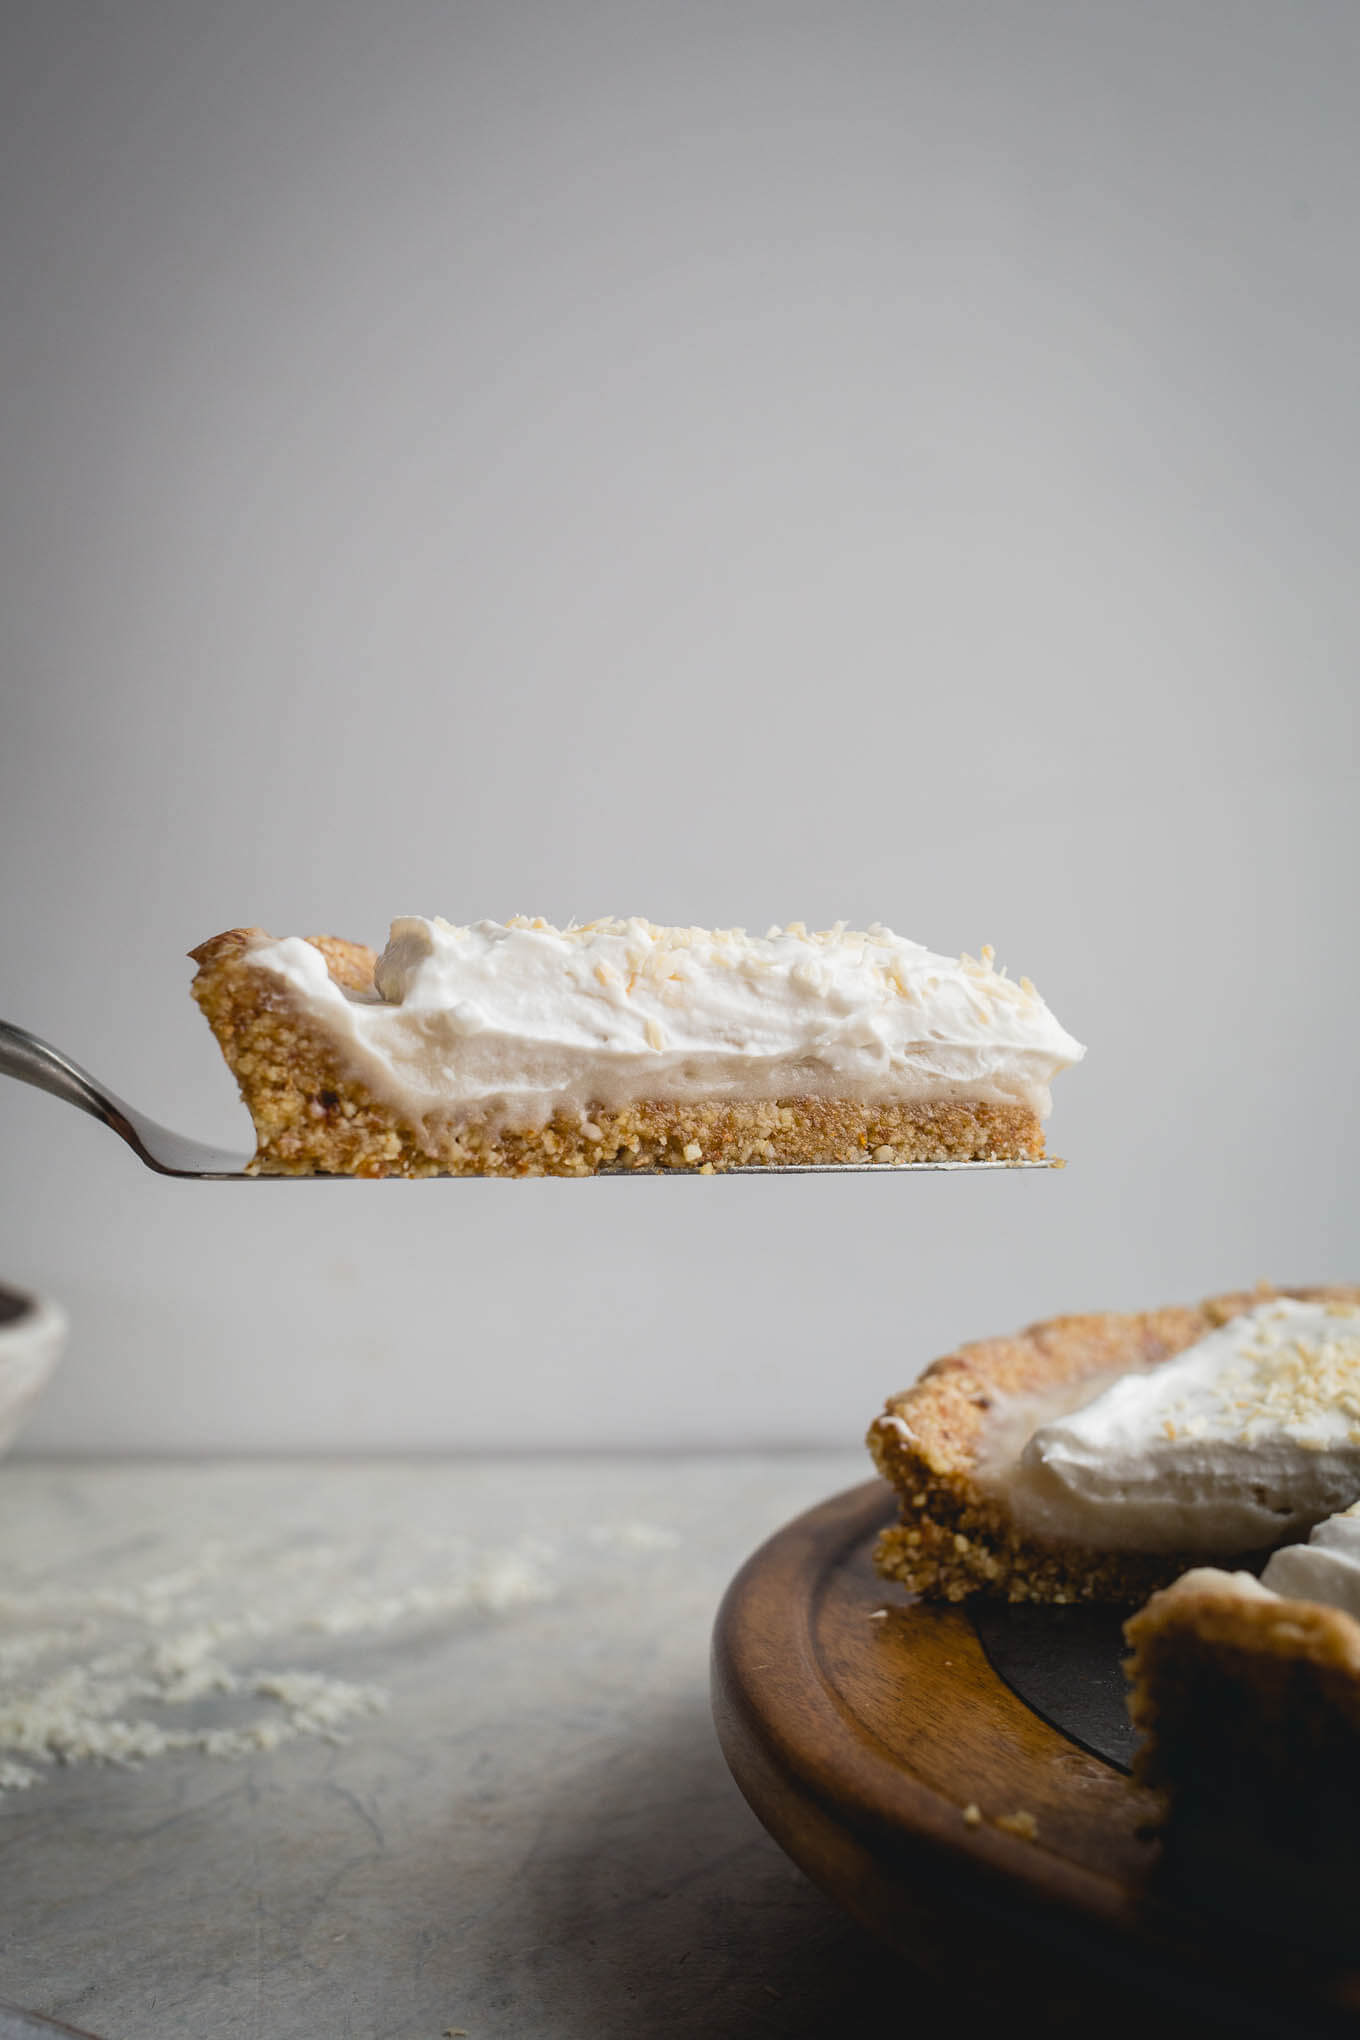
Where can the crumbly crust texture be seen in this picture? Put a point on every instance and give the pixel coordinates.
(312, 1117)
(954, 1537)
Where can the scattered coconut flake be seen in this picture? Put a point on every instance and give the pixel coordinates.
(633, 1536)
(127, 1672)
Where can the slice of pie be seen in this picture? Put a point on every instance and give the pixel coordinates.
(1098, 1457)
(1247, 1693)
(517, 1049)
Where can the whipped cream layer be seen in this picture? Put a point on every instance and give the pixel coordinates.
(1326, 1568)
(517, 1021)
(1241, 1442)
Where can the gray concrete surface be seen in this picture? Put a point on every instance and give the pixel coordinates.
(538, 1837)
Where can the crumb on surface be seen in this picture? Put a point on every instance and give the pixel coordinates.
(972, 1814)
(1021, 1823)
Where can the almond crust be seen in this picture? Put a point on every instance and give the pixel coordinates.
(313, 1117)
(954, 1538)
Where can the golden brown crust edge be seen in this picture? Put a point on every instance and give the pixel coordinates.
(953, 1540)
(312, 1117)
(289, 1079)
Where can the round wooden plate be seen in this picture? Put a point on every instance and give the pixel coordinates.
(859, 1740)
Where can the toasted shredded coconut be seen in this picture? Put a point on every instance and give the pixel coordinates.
(180, 1661)
(633, 1536)
(1285, 1376)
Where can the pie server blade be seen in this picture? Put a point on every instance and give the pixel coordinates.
(1065, 1663)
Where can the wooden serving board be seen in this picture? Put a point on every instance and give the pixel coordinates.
(859, 1741)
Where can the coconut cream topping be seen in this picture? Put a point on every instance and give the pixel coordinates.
(1241, 1442)
(1326, 1568)
(1244, 1584)
(520, 1020)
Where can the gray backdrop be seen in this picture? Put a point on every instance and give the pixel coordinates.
(723, 462)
